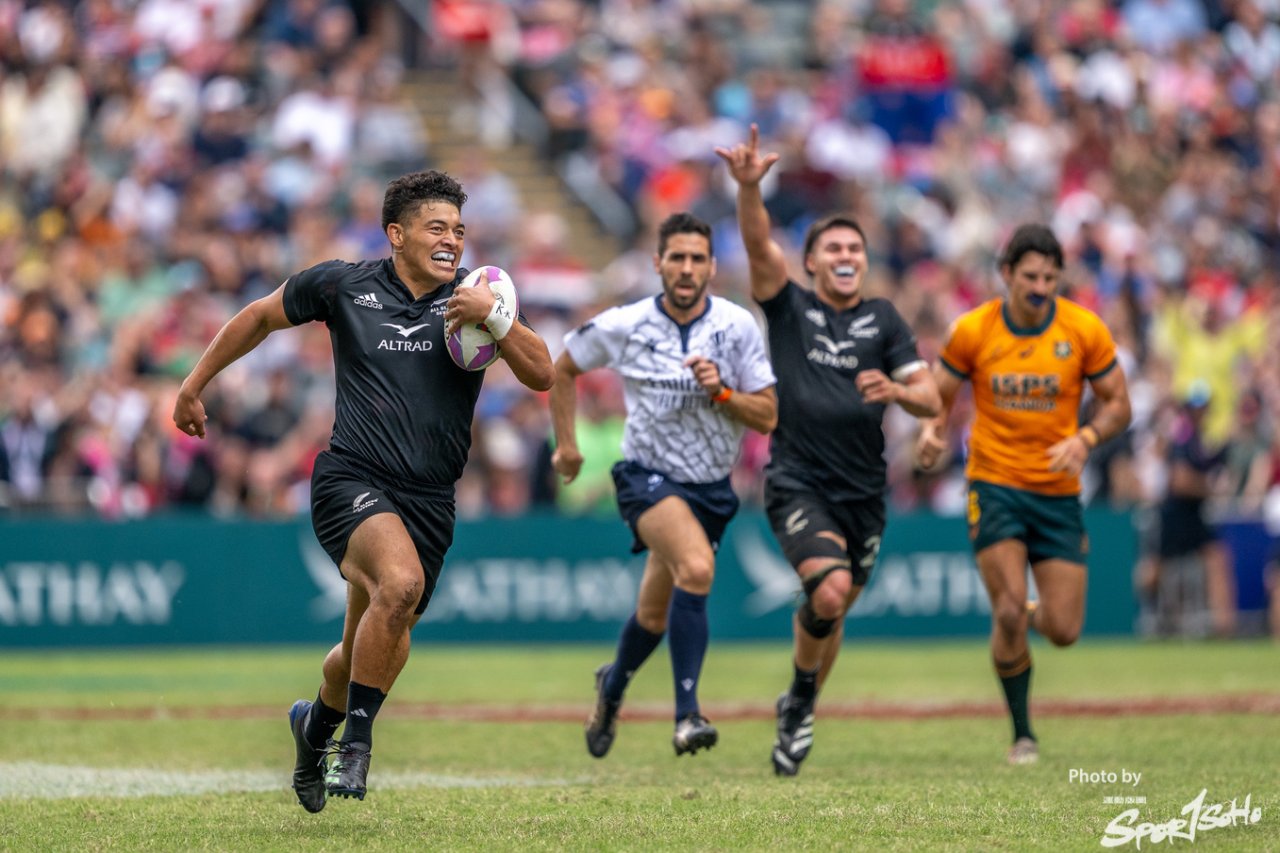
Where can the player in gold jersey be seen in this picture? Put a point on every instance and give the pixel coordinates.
(1028, 357)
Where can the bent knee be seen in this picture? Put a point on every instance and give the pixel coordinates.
(696, 573)
(829, 599)
(402, 589)
(1010, 616)
(1060, 635)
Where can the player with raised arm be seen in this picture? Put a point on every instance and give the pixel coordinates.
(1028, 357)
(695, 375)
(841, 359)
(382, 495)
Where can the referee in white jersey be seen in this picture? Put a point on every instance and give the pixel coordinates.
(695, 375)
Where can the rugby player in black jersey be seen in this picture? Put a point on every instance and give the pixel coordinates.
(841, 358)
(382, 495)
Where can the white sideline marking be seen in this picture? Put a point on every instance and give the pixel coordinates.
(28, 780)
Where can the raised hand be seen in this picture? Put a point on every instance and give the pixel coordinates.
(744, 160)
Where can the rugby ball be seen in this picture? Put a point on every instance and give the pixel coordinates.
(471, 346)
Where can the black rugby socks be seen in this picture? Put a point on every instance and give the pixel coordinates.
(804, 685)
(363, 704)
(322, 721)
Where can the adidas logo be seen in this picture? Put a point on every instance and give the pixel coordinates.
(368, 300)
(359, 712)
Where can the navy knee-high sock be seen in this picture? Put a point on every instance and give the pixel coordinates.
(634, 647)
(687, 626)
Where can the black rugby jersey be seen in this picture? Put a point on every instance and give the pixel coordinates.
(828, 441)
(402, 405)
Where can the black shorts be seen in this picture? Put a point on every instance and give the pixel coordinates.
(639, 488)
(798, 517)
(344, 493)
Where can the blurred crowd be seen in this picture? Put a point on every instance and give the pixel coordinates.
(167, 161)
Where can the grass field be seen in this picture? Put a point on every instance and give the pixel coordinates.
(480, 748)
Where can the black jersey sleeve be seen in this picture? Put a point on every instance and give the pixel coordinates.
(780, 305)
(310, 295)
(900, 342)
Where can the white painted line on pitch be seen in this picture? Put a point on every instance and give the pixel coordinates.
(35, 781)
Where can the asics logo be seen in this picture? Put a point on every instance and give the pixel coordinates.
(360, 504)
(834, 347)
(796, 522)
(368, 300)
(406, 331)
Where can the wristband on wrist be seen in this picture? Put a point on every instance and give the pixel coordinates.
(500, 319)
(1089, 435)
(725, 393)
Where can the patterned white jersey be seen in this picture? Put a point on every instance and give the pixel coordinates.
(672, 425)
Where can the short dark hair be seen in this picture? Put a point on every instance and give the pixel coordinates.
(825, 224)
(407, 193)
(683, 223)
(1032, 237)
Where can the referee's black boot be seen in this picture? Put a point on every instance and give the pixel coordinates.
(603, 723)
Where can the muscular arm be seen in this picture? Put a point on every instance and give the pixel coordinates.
(241, 334)
(1114, 412)
(917, 393)
(758, 410)
(525, 352)
(768, 265)
(933, 431)
(1111, 418)
(527, 355)
(567, 459)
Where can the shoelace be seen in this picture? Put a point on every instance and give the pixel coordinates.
(339, 750)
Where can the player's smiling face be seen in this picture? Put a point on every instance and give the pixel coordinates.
(428, 247)
(1032, 283)
(686, 266)
(837, 263)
